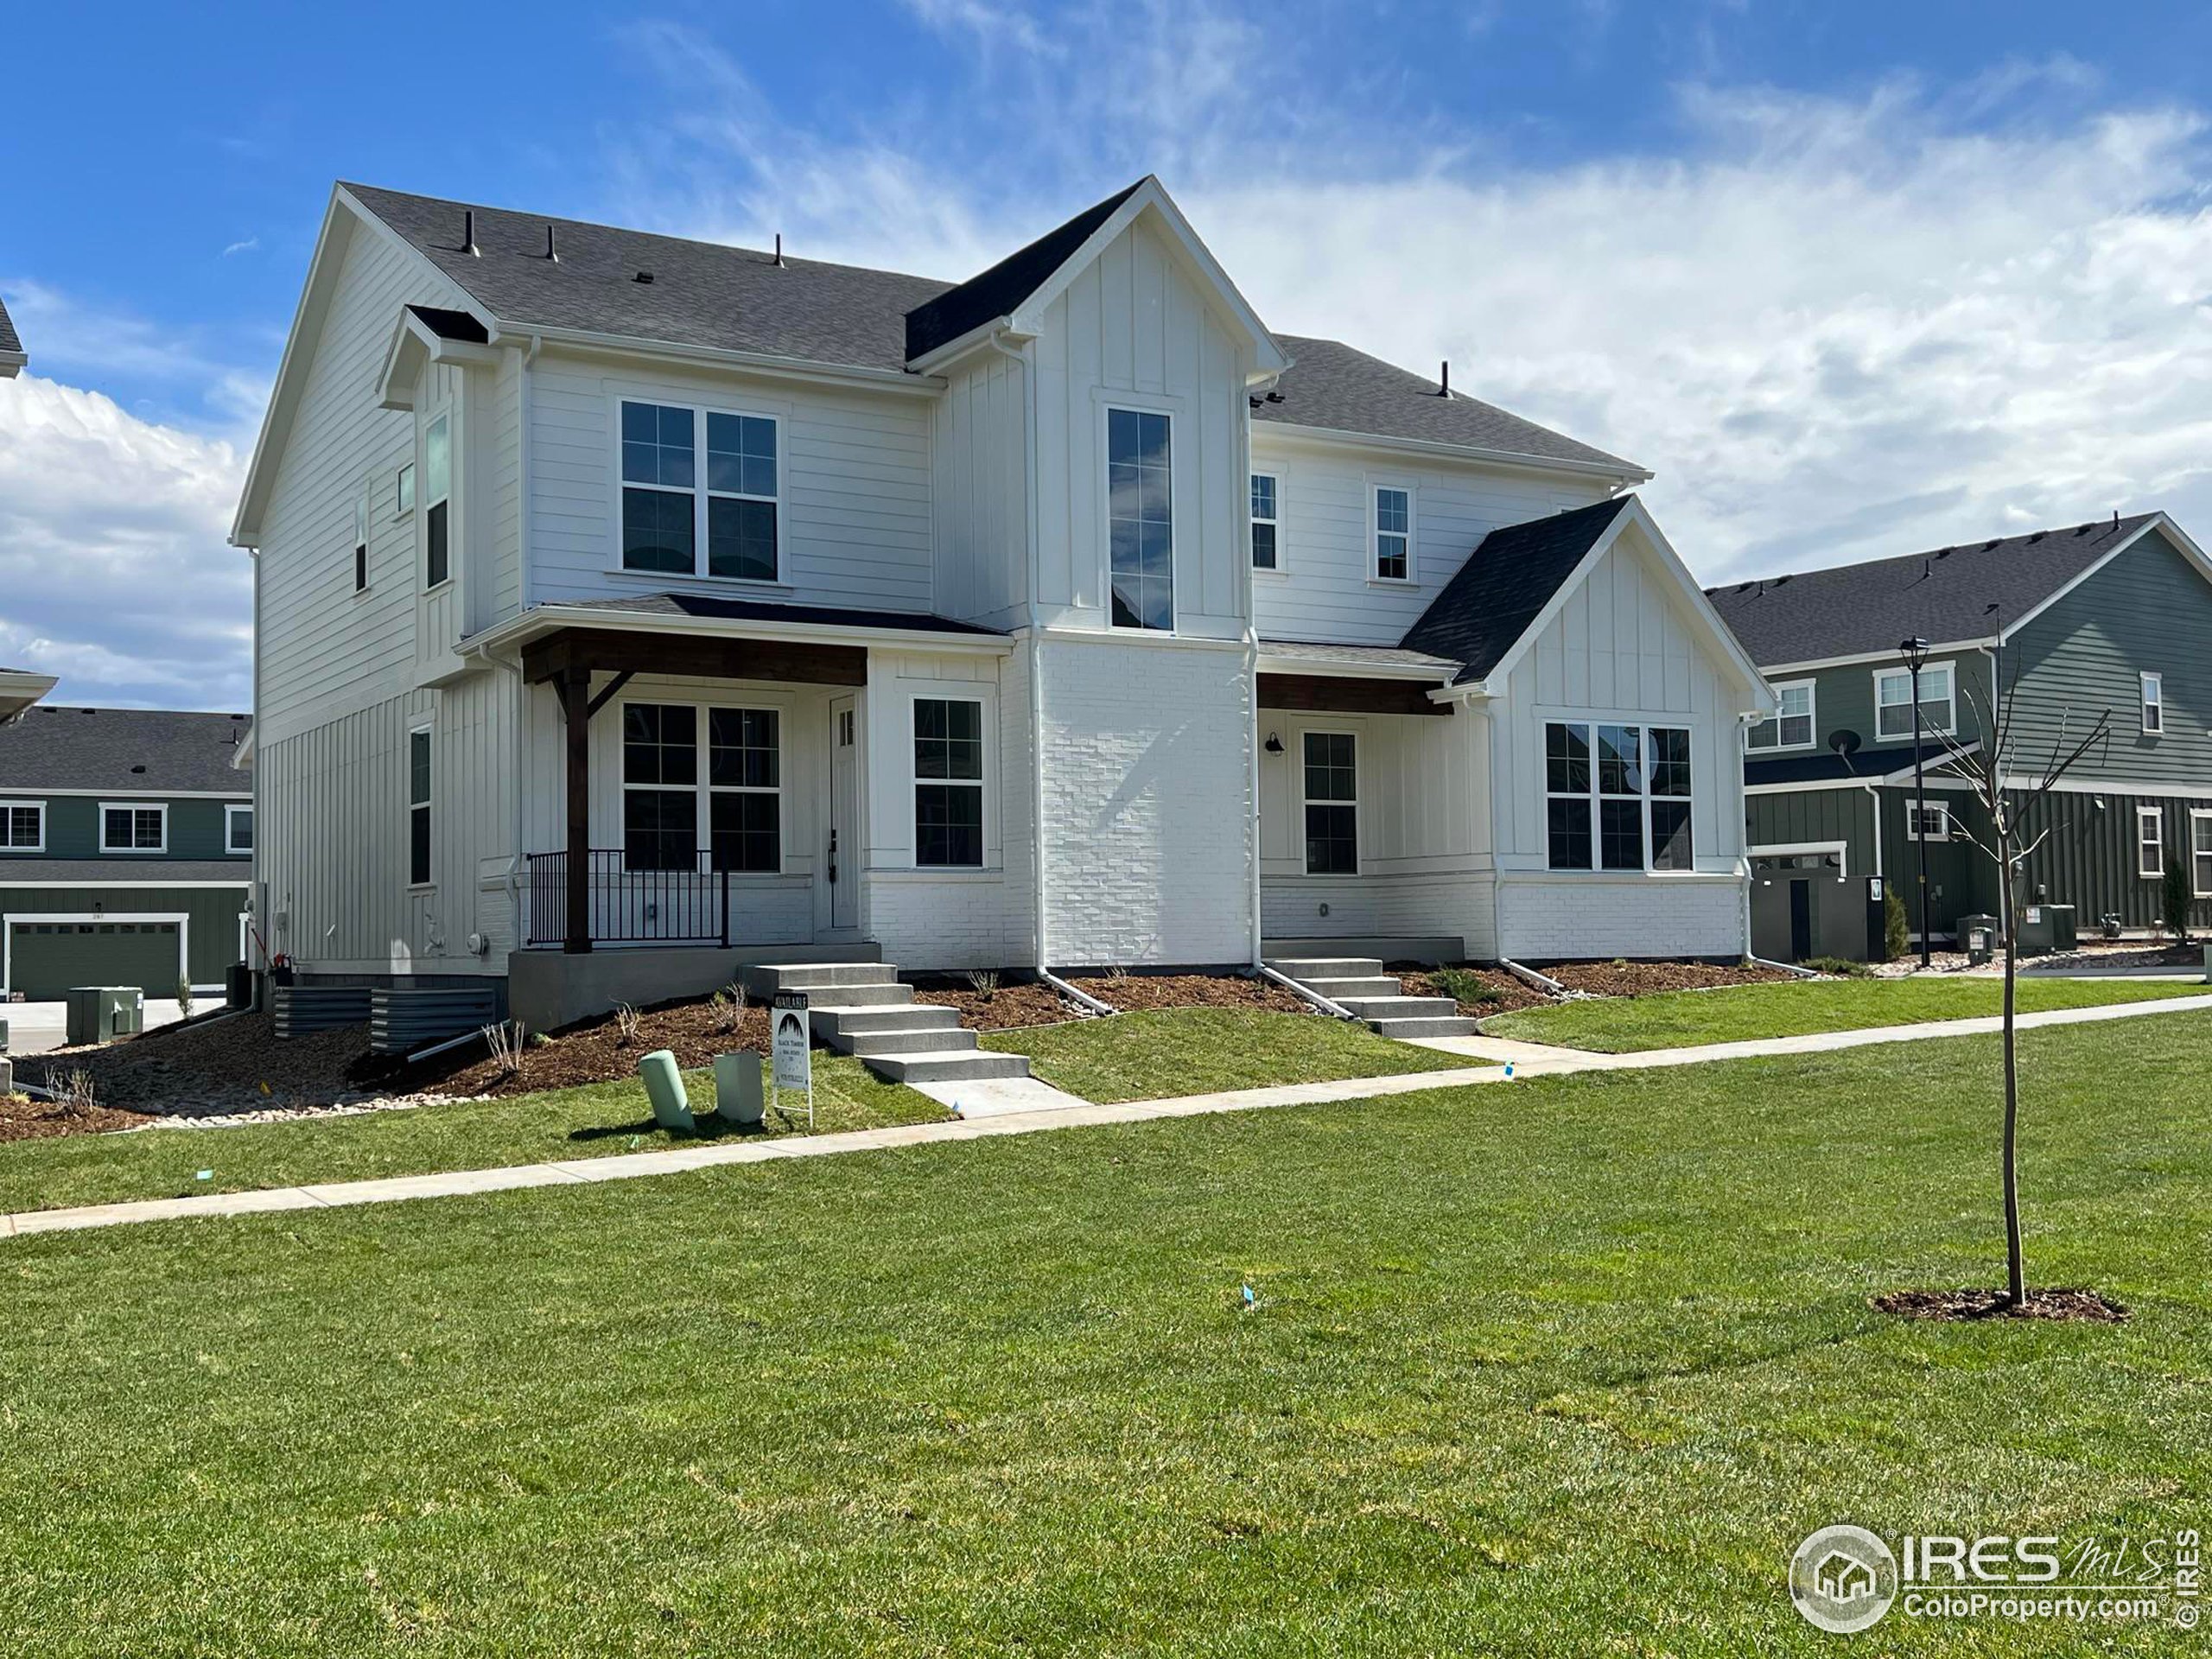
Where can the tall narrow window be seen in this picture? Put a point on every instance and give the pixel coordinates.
(1331, 803)
(744, 799)
(361, 545)
(1566, 794)
(1394, 534)
(402, 491)
(2200, 854)
(948, 782)
(1670, 799)
(1265, 552)
(437, 505)
(1893, 701)
(1620, 797)
(418, 807)
(1141, 519)
(658, 489)
(1792, 725)
(2149, 841)
(2154, 704)
(22, 826)
(741, 496)
(660, 786)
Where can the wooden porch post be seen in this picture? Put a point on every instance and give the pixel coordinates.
(575, 709)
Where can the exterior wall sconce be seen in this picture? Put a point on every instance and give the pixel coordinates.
(1275, 744)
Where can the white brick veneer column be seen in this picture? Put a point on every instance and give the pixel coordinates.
(1559, 918)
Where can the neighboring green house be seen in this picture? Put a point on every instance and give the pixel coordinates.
(126, 850)
(2112, 619)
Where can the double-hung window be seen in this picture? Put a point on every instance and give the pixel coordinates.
(361, 544)
(672, 515)
(418, 807)
(1331, 801)
(1792, 725)
(1617, 797)
(948, 782)
(663, 780)
(1394, 534)
(2149, 841)
(1140, 518)
(237, 830)
(134, 829)
(437, 503)
(402, 491)
(1893, 701)
(1266, 527)
(2154, 704)
(2200, 854)
(22, 826)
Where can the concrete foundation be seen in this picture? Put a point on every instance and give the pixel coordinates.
(547, 989)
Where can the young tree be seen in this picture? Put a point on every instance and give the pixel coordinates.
(1897, 932)
(2008, 792)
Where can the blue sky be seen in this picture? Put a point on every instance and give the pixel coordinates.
(1851, 280)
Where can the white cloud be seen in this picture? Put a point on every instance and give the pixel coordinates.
(113, 570)
(249, 245)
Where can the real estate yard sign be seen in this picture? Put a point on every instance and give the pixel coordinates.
(791, 1048)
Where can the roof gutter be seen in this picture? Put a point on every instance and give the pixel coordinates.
(1619, 472)
(794, 368)
(991, 333)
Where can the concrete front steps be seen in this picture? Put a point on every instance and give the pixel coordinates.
(861, 1009)
(1358, 985)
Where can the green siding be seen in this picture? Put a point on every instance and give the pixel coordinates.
(211, 913)
(2149, 610)
(72, 826)
(1808, 815)
(1843, 698)
(2087, 859)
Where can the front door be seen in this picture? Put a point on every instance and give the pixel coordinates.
(843, 860)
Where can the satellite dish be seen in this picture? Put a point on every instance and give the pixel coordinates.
(1844, 741)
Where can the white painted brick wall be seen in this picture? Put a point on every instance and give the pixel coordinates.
(1547, 918)
(1367, 907)
(928, 921)
(1148, 803)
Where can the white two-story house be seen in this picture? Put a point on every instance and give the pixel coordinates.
(631, 609)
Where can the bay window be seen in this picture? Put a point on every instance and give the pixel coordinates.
(1617, 797)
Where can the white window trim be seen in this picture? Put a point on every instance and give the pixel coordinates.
(1172, 411)
(1274, 475)
(1644, 727)
(1812, 690)
(984, 711)
(427, 501)
(1375, 577)
(2156, 815)
(2152, 685)
(701, 494)
(231, 810)
(402, 490)
(429, 804)
(703, 813)
(38, 807)
(1914, 807)
(2200, 885)
(1950, 729)
(1356, 803)
(107, 807)
(359, 559)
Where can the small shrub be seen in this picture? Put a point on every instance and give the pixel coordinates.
(1464, 985)
(1841, 967)
(2173, 898)
(728, 1006)
(539, 1039)
(628, 1026)
(985, 981)
(73, 1092)
(1115, 972)
(1896, 935)
(507, 1040)
(184, 999)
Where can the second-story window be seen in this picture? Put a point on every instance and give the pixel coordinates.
(1893, 701)
(670, 514)
(437, 503)
(741, 496)
(402, 491)
(1141, 519)
(2154, 704)
(1265, 527)
(1394, 534)
(134, 829)
(237, 830)
(361, 545)
(659, 499)
(22, 826)
(1792, 725)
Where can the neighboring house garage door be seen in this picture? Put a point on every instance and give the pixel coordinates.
(46, 958)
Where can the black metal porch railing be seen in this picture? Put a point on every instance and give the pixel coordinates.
(686, 905)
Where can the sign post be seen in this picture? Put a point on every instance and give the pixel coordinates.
(790, 1049)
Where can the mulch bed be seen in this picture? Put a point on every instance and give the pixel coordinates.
(2085, 1306)
(1511, 994)
(220, 1068)
(591, 1050)
(1008, 1007)
(1133, 992)
(22, 1118)
(1645, 978)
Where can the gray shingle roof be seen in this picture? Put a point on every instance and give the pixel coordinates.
(998, 291)
(754, 610)
(1943, 595)
(9, 341)
(1330, 385)
(137, 750)
(1506, 581)
(103, 872)
(1375, 655)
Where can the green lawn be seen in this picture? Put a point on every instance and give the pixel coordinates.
(1197, 1051)
(1563, 1366)
(1620, 1025)
(557, 1125)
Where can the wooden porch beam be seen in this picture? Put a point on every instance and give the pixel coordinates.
(575, 707)
(1323, 693)
(608, 696)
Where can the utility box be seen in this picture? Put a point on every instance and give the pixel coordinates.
(1979, 937)
(2065, 931)
(2037, 933)
(100, 1014)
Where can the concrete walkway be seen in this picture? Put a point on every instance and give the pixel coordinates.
(1007, 1117)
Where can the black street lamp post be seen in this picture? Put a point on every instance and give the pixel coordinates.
(1916, 653)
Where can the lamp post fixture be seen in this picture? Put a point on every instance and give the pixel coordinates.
(1915, 650)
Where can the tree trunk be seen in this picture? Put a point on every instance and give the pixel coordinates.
(2008, 903)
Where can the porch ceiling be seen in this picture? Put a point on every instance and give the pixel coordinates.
(1321, 692)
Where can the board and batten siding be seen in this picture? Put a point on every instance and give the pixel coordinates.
(981, 492)
(855, 486)
(1620, 650)
(1324, 587)
(1135, 329)
(323, 648)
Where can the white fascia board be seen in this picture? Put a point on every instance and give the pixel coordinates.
(519, 335)
(1335, 669)
(415, 344)
(529, 625)
(12, 363)
(1866, 658)
(1339, 438)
